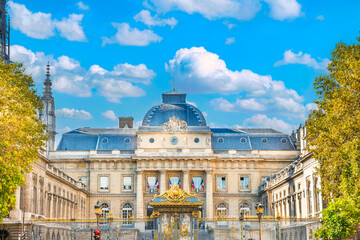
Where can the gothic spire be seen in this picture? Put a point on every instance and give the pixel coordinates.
(47, 113)
(47, 84)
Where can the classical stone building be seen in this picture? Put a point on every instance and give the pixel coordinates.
(124, 167)
(230, 169)
(294, 192)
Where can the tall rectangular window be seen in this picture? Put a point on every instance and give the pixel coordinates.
(221, 183)
(244, 183)
(152, 183)
(127, 183)
(175, 181)
(197, 183)
(104, 183)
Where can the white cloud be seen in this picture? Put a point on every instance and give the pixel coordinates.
(70, 28)
(284, 9)
(113, 89)
(128, 36)
(73, 113)
(145, 17)
(70, 78)
(289, 105)
(205, 114)
(230, 41)
(36, 25)
(262, 121)
(63, 130)
(311, 106)
(215, 9)
(199, 71)
(222, 105)
(251, 104)
(133, 73)
(109, 114)
(83, 6)
(74, 85)
(67, 63)
(320, 18)
(41, 25)
(96, 69)
(229, 24)
(302, 58)
(196, 70)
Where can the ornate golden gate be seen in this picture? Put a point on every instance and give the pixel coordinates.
(176, 214)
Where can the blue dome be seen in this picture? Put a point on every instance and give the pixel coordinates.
(174, 104)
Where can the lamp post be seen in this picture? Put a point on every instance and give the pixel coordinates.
(259, 212)
(98, 212)
(241, 219)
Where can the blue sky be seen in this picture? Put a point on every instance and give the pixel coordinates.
(244, 63)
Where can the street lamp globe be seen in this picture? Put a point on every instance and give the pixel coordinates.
(259, 209)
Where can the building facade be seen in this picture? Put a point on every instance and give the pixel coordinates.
(124, 167)
(230, 169)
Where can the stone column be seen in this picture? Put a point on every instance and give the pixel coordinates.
(140, 201)
(139, 195)
(49, 200)
(162, 182)
(288, 206)
(186, 181)
(16, 212)
(209, 195)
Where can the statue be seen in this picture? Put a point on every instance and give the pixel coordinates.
(175, 125)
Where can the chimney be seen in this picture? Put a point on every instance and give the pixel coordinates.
(126, 122)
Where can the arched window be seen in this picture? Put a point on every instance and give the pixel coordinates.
(127, 213)
(105, 210)
(245, 208)
(221, 210)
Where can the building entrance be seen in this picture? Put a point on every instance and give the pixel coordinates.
(175, 215)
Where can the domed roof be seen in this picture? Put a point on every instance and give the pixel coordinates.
(174, 104)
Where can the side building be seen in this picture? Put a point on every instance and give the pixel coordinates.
(49, 193)
(295, 192)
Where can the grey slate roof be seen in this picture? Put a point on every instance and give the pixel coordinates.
(250, 138)
(85, 139)
(174, 104)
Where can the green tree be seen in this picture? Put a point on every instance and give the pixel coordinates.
(21, 132)
(334, 138)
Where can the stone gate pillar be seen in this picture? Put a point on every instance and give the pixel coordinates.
(209, 195)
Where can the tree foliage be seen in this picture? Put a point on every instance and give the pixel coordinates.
(21, 132)
(334, 138)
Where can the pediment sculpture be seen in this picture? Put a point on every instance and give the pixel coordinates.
(176, 195)
(175, 125)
